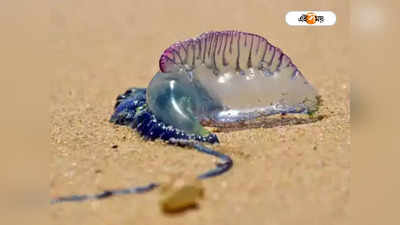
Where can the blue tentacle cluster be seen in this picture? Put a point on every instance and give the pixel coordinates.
(131, 110)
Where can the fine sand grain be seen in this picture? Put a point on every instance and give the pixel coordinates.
(283, 174)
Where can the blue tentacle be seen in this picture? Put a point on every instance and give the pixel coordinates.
(131, 110)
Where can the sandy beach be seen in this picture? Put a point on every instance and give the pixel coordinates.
(283, 174)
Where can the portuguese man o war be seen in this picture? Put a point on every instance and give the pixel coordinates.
(218, 79)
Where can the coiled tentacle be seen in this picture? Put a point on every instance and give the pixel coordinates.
(131, 110)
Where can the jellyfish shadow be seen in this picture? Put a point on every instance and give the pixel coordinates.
(281, 120)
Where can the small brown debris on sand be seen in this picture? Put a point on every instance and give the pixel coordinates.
(180, 193)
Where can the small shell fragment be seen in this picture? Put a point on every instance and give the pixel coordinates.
(180, 193)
